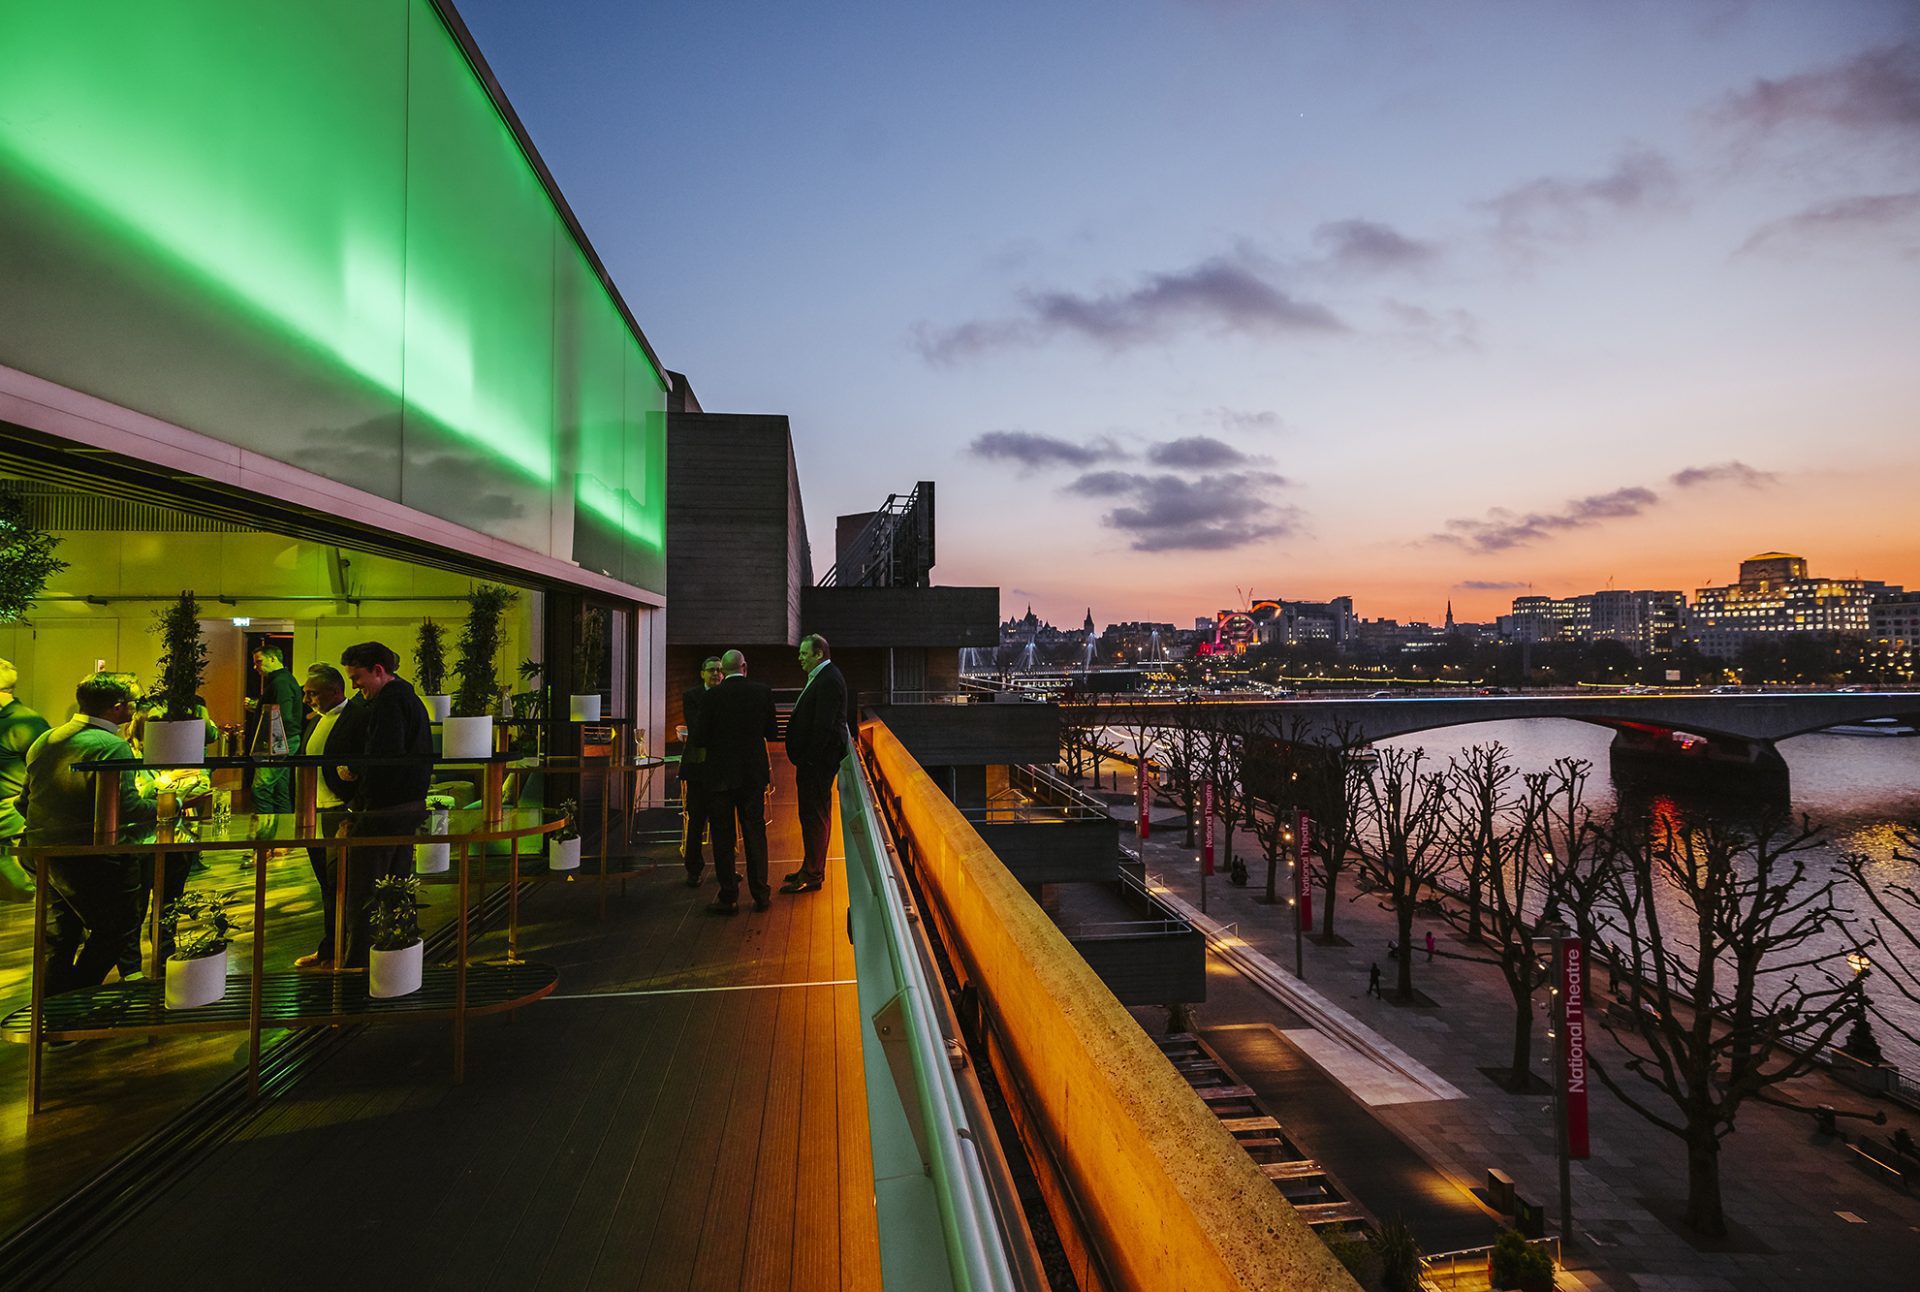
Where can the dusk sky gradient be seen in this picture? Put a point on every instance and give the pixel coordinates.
(1408, 302)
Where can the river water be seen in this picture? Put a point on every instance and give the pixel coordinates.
(1859, 787)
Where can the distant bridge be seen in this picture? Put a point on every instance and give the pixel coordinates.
(1691, 737)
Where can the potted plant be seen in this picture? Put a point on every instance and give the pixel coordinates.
(468, 733)
(563, 852)
(26, 558)
(198, 924)
(179, 734)
(393, 920)
(1516, 1263)
(430, 669)
(589, 661)
(432, 858)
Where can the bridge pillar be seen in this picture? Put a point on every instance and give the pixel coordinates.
(1656, 756)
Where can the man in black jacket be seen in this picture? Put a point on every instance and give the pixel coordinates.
(387, 799)
(735, 721)
(693, 797)
(816, 743)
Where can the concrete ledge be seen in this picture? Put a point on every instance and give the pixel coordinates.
(1169, 1199)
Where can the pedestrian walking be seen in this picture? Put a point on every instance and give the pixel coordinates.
(1373, 980)
(1429, 944)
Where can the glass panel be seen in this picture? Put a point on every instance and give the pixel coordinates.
(196, 222)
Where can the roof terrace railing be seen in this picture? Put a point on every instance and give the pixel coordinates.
(1145, 1188)
(939, 1226)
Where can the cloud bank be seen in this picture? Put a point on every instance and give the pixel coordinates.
(1501, 530)
(1221, 295)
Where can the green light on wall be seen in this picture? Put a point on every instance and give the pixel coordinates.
(322, 203)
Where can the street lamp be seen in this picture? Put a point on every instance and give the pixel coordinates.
(1861, 1042)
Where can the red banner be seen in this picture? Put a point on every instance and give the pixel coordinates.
(1573, 1042)
(1302, 890)
(1142, 778)
(1206, 827)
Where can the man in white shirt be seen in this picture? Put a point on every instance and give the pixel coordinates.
(330, 730)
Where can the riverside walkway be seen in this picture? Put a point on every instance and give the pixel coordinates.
(1803, 1217)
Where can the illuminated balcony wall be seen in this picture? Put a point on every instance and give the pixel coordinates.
(306, 230)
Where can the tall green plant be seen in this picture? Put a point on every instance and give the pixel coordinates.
(183, 658)
(430, 658)
(590, 651)
(26, 558)
(480, 642)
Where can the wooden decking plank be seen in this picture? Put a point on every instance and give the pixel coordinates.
(721, 1251)
(655, 1232)
(770, 1231)
(859, 1225)
(574, 1243)
(625, 1209)
(816, 1244)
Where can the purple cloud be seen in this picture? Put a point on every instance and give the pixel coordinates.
(1033, 452)
(1869, 217)
(1502, 530)
(1217, 294)
(1212, 513)
(1723, 473)
(1553, 208)
(1873, 92)
(1366, 246)
(1198, 452)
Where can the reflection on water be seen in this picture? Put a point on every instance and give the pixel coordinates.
(1858, 787)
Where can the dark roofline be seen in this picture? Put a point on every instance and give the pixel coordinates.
(457, 28)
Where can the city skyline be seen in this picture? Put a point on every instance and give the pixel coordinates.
(1412, 307)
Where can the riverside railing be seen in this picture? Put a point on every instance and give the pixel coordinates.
(938, 1224)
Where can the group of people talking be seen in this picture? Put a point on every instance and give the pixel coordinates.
(726, 777)
(361, 713)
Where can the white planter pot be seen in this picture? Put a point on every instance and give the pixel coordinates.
(201, 981)
(467, 737)
(394, 973)
(564, 854)
(175, 742)
(438, 706)
(583, 708)
(433, 858)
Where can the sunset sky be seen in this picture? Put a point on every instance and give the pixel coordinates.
(1180, 300)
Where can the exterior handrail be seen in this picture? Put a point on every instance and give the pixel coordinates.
(954, 1192)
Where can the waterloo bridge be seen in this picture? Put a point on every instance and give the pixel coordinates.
(1680, 739)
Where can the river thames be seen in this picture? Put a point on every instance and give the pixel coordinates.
(1858, 787)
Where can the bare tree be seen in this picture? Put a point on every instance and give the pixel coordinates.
(1224, 743)
(1331, 783)
(1180, 747)
(1494, 828)
(1895, 925)
(1479, 810)
(1716, 918)
(1401, 829)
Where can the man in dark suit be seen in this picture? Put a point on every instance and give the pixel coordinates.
(333, 729)
(693, 758)
(816, 743)
(734, 723)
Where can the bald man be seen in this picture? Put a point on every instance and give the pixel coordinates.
(735, 721)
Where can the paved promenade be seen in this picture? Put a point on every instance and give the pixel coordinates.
(1803, 1217)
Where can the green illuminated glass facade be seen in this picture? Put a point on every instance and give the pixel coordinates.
(306, 230)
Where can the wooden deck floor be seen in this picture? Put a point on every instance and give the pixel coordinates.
(688, 1111)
